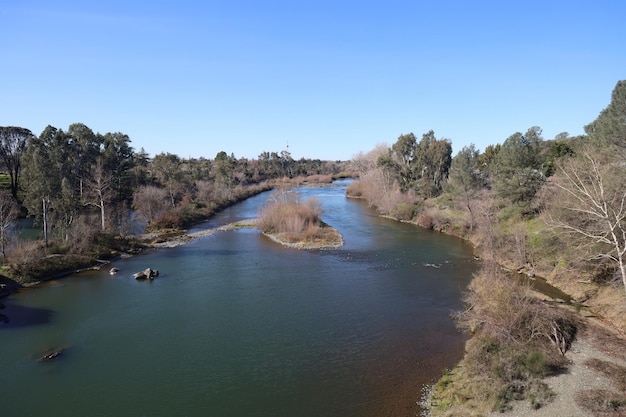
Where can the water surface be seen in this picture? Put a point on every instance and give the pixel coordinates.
(237, 325)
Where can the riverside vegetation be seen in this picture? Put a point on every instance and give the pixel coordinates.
(545, 208)
(92, 195)
(296, 223)
(554, 209)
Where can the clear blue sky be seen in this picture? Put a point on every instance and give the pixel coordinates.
(329, 78)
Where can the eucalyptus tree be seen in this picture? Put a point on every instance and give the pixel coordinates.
(12, 145)
(404, 151)
(224, 170)
(432, 158)
(46, 163)
(287, 164)
(117, 159)
(84, 146)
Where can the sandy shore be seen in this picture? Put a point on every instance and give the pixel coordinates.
(307, 245)
(188, 237)
(250, 223)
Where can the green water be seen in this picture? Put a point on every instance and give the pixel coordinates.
(237, 325)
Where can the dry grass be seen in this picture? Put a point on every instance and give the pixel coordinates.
(312, 238)
(511, 350)
(603, 402)
(315, 179)
(285, 213)
(297, 223)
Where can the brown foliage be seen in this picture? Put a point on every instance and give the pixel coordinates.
(286, 214)
(514, 344)
(503, 308)
(606, 402)
(603, 403)
(150, 201)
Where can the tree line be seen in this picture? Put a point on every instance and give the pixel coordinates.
(575, 185)
(77, 184)
(543, 208)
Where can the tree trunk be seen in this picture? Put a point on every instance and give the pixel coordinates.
(102, 215)
(45, 221)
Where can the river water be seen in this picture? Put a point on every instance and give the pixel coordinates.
(237, 325)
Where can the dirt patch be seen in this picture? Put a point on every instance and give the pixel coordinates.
(592, 385)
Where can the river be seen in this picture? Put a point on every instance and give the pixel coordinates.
(237, 325)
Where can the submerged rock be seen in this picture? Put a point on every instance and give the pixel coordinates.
(51, 355)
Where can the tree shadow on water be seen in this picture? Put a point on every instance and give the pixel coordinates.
(14, 316)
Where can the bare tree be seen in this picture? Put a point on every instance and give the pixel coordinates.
(592, 205)
(8, 215)
(150, 201)
(99, 191)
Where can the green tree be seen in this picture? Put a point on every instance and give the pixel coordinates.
(166, 167)
(517, 168)
(404, 151)
(12, 144)
(465, 178)
(487, 159)
(224, 173)
(46, 164)
(84, 147)
(433, 158)
(558, 150)
(609, 128)
(117, 158)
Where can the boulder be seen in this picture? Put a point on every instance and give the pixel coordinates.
(147, 274)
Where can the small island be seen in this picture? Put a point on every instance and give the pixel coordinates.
(285, 219)
(297, 224)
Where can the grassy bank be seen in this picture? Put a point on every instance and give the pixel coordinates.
(31, 262)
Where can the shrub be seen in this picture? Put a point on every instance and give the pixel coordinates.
(537, 364)
(355, 189)
(285, 213)
(512, 348)
(404, 211)
(319, 179)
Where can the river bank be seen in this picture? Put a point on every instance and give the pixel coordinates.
(319, 319)
(590, 383)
